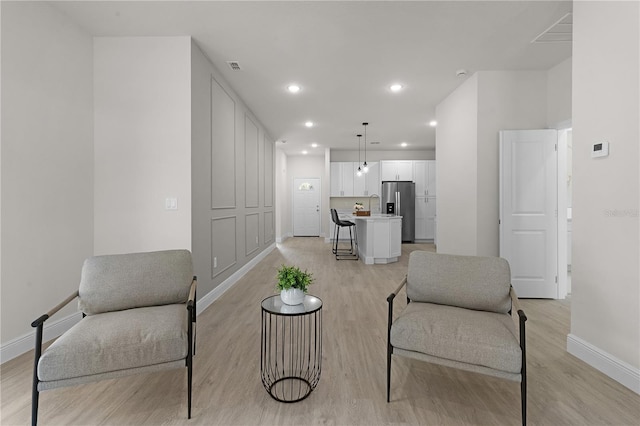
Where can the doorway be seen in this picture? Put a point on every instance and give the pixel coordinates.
(529, 210)
(306, 207)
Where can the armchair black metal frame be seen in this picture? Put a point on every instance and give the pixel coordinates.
(344, 254)
(38, 324)
(522, 318)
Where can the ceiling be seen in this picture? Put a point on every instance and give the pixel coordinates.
(344, 55)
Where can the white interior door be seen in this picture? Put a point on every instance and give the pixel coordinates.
(528, 210)
(306, 207)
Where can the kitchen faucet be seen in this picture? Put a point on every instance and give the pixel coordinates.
(370, 197)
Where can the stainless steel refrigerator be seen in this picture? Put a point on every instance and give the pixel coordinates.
(399, 198)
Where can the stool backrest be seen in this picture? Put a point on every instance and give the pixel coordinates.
(334, 216)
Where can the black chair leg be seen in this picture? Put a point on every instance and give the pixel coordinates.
(355, 239)
(190, 339)
(388, 372)
(523, 397)
(189, 386)
(34, 407)
(35, 394)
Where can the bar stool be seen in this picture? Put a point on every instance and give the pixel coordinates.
(352, 252)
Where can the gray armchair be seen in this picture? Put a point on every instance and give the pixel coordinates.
(138, 317)
(460, 313)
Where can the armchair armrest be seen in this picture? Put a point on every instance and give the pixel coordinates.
(38, 322)
(515, 305)
(390, 301)
(191, 302)
(395, 293)
(191, 309)
(522, 318)
(390, 321)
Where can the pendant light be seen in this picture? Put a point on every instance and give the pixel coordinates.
(359, 171)
(365, 168)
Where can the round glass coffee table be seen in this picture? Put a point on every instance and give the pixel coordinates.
(291, 355)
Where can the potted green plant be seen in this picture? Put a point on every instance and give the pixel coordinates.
(293, 284)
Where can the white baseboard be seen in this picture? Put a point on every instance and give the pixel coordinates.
(283, 238)
(213, 295)
(618, 370)
(25, 343)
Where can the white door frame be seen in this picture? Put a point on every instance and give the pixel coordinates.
(563, 261)
(293, 204)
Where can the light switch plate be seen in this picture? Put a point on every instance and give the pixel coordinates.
(171, 203)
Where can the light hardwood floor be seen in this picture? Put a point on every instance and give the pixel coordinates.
(228, 390)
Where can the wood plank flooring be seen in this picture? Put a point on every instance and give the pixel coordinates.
(228, 390)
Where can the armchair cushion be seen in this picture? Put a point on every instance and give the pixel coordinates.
(484, 339)
(125, 281)
(116, 341)
(471, 282)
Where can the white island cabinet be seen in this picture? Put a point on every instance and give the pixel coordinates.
(379, 238)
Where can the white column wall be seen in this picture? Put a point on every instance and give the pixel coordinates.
(142, 136)
(606, 243)
(47, 164)
(456, 181)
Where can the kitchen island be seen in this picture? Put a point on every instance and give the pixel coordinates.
(379, 237)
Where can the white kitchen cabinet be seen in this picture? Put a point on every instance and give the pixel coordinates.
(395, 243)
(342, 179)
(396, 170)
(425, 218)
(346, 183)
(424, 175)
(379, 238)
(369, 183)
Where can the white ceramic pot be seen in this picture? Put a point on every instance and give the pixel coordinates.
(292, 296)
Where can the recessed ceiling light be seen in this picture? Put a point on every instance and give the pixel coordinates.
(293, 88)
(309, 124)
(314, 145)
(433, 123)
(396, 87)
(403, 144)
(305, 152)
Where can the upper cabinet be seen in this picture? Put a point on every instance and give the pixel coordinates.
(369, 183)
(346, 183)
(424, 174)
(342, 179)
(396, 170)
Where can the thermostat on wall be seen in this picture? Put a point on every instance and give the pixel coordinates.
(600, 149)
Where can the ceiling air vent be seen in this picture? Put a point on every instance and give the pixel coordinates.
(375, 143)
(234, 65)
(561, 31)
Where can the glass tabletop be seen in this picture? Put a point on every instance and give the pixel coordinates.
(275, 305)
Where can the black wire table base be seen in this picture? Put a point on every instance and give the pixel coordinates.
(291, 355)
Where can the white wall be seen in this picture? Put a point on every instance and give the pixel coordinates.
(559, 94)
(142, 139)
(467, 145)
(606, 253)
(232, 209)
(397, 154)
(282, 214)
(506, 100)
(456, 145)
(47, 163)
